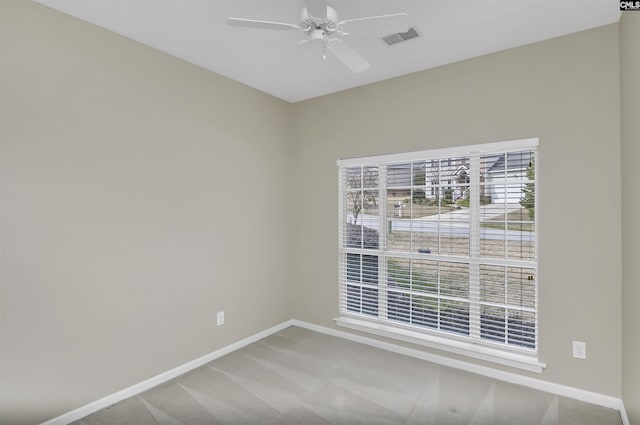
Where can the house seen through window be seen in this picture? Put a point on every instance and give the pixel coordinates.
(443, 243)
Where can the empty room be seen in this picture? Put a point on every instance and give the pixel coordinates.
(319, 212)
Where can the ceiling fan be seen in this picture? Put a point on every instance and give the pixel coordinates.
(320, 23)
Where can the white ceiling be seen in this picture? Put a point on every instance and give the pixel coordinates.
(273, 62)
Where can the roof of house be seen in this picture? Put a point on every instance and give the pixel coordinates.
(514, 161)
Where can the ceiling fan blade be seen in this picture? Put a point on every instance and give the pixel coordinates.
(376, 26)
(348, 56)
(252, 23)
(317, 8)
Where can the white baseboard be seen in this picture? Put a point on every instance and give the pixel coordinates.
(623, 414)
(135, 389)
(563, 390)
(538, 384)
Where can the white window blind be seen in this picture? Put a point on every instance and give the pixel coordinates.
(443, 242)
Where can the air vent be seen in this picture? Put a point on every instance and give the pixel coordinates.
(392, 39)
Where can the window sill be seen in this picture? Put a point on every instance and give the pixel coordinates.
(520, 361)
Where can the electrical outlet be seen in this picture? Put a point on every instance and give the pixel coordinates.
(220, 318)
(579, 350)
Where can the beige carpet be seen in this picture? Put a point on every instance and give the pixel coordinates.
(302, 377)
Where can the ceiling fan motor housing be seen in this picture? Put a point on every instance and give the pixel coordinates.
(315, 27)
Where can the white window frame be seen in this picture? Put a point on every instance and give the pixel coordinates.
(472, 346)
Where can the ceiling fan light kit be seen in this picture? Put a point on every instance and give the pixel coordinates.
(320, 23)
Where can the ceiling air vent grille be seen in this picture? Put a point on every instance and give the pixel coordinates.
(392, 39)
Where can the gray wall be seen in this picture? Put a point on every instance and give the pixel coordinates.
(564, 91)
(630, 119)
(140, 195)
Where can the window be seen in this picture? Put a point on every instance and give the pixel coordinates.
(441, 245)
